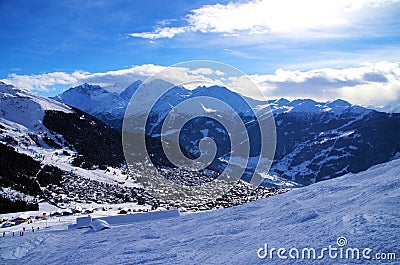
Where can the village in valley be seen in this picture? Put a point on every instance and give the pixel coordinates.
(76, 196)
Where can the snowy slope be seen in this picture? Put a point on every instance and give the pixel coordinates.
(24, 107)
(93, 99)
(48, 155)
(310, 106)
(363, 208)
(21, 125)
(101, 102)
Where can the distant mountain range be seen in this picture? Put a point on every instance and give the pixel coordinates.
(315, 140)
(110, 106)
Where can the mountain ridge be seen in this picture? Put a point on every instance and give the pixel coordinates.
(315, 140)
(110, 106)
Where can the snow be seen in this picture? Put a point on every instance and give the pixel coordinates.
(83, 222)
(208, 110)
(95, 100)
(361, 207)
(23, 216)
(122, 219)
(336, 107)
(51, 156)
(99, 224)
(25, 107)
(13, 194)
(109, 103)
(21, 115)
(112, 103)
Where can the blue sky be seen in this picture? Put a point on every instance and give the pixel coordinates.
(310, 48)
(44, 36)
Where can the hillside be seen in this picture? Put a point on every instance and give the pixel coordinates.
(48, 147)
(361, 207)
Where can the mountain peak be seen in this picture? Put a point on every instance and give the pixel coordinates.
(214, 89)
(128, 92)
(338, 103)
(282, 101)
(87, 87)
(82, 92)
(8, 88)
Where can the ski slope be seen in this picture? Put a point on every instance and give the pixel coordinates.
(363, 208)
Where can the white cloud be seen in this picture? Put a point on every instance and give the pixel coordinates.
(40, 82)
(206, 71)
(119, 78)
(161, 33)
(311, 18)
(369, 84)
(202, 70)
(264, 16)
(371, 94)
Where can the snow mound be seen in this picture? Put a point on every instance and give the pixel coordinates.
(99, 224)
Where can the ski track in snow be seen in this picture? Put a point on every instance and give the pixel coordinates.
(362, 207)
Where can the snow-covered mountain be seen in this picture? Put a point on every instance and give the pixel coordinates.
(46, 143)
(26, 108)
(109, 106)
(335, 107)
(315, 140)
(64, 155)
(346, 214)
(54, 125)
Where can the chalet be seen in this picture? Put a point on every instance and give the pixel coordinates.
(23, 218)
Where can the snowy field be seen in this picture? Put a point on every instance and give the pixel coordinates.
(363, 208)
